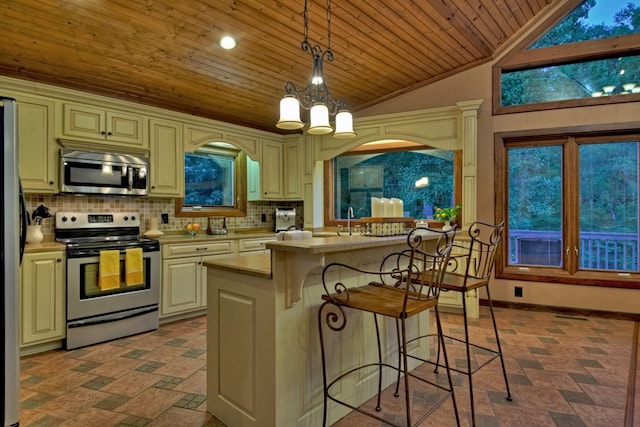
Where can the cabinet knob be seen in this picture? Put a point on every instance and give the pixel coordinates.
(153, 187)
(58, 259)
(103, 133)
(51, 182)
(109, 133)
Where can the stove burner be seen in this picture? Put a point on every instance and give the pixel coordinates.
(86, 234)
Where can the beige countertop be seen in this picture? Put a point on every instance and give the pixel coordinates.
(258, 265)
(321, 245)
(44, 247)
(203, 237)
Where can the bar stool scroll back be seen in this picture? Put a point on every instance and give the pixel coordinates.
(472, 265)
(407, 289)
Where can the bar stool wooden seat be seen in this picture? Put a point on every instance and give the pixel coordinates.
(410, 287)
(470, 265)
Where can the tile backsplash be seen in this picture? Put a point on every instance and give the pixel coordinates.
(152, 207)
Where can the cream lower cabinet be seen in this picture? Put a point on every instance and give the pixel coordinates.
(42, 298)
(184, 278)
(254, 245)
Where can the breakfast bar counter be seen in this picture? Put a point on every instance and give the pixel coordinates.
(263, 350)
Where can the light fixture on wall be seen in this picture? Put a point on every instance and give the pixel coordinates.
(422, 182)
(613, 90)
(315, 96)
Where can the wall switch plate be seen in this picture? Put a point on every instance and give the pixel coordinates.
(165, 218)
(517, 291)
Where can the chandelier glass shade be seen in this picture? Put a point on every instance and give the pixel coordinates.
(315, 96)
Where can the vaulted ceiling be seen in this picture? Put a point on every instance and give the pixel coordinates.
(165, 53)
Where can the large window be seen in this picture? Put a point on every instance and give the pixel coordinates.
(214, 182)
(423, 178)
(571, 207)
(590, 57)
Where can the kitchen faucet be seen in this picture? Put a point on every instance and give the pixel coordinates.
(349, 218)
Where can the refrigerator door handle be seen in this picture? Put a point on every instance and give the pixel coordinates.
(24, 217)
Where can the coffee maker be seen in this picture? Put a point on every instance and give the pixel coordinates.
(285, 219)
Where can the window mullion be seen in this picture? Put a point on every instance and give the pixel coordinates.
(570, 222)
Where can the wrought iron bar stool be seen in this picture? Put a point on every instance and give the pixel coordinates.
(410, 287)
(470, 269)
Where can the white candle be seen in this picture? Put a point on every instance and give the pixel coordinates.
(377, 207)
(398, 208)
(388, 207)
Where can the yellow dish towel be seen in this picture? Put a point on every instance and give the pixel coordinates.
(109, 270)
(133, 267)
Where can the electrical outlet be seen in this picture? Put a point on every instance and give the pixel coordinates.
(165, 218)
(263, 217)
(517, 291)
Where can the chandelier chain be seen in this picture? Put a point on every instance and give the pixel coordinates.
(305, 15)
(328, 25)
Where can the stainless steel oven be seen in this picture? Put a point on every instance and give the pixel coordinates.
(96, 313)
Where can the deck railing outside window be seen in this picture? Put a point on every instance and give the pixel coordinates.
(597, 251)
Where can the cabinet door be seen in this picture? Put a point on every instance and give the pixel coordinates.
(254, 192)
(37, 147)
(126, 128)
(271, 166)
(42, 298)
(111, 127)
(181, 285)
(255, 245)
(293, 170)
(84, 121)
(167, 158)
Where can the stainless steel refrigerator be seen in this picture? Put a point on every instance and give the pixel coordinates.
(12, 232)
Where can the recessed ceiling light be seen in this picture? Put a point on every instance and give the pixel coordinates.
(227, 42)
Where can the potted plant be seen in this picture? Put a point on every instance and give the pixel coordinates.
(447, 215)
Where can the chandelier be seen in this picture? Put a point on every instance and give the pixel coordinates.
(315, 96)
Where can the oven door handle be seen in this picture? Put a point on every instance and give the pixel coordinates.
(112, 317)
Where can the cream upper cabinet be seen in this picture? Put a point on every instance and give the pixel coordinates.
(278, 175)
(293, 157)
(271, 170)
(112, 127)
(166, 158)
(264, 178)
(42, 296)
(38, 151)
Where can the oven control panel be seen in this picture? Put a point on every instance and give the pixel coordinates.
(77, 220)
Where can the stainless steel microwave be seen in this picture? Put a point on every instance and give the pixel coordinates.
(88, 172)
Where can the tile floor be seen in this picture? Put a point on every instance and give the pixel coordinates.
(564, 371)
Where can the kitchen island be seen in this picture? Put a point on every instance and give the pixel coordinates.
(263, 355)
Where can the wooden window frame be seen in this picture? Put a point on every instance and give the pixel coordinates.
(521, 59)
(240, 207)
(569, 272)
(329, 195)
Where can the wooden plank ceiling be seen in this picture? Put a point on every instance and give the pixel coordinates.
(165, 52)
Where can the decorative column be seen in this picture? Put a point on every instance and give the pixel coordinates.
(469, 132)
